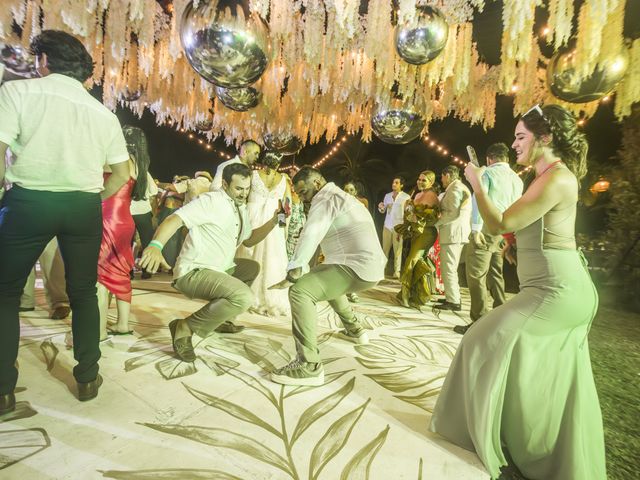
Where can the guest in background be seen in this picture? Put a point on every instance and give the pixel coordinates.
(393, 208)
(61, 137)
(454, 227)
(248, 155)
(484, 259)
(193, 187)
(116, 255)
(141, 206)
(171, 201)
(417, 283)
(355, 188)
(52, 271)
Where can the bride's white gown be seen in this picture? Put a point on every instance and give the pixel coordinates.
(271, 253)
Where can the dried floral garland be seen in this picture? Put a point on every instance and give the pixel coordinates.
(337, 63)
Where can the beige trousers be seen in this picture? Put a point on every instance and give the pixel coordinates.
(229, 294)
(323, 282)
(52, 269)
(449, 259)
(391, 239)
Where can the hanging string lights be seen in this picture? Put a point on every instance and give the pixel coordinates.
(206, 144)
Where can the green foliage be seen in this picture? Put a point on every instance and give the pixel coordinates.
(624, 215)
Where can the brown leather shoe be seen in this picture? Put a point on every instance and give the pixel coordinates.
(7, 403)
(229, 327)
(182, 346)
(89, 390)
(60, 313)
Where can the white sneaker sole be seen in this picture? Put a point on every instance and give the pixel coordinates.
(361, 340)
(306, 382)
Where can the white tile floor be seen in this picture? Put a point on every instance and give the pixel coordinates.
(221, 418)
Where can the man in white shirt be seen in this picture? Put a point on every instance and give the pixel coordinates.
(454, 227)
(484, 261)
(393, 206)
(206, 269)
(193, 187)
(353, 261)
(249, 154)
(62, 137)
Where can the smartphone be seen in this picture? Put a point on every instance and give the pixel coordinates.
(473, 158)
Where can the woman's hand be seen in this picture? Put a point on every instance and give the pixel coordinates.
(474, 176)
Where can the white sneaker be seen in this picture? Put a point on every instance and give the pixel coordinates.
(299, 372)
(360, 337)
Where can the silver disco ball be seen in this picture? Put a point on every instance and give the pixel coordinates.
(220, 49)
(567, 85)
(283, 143)
(397, 126)
(238, 99)
(17, 60)
(421, 39)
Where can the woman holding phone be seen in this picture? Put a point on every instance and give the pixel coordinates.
(521, 383)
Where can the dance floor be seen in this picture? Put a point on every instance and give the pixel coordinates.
(221, 417)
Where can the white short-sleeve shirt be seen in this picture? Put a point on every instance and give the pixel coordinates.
(61, 136)
(216, 228)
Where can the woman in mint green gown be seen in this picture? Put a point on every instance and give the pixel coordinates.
(521, 382)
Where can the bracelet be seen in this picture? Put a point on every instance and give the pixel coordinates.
(157, 244)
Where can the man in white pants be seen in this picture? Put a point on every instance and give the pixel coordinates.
(454, 228)
(393, 206)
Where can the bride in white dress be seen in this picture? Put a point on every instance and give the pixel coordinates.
(268, 188)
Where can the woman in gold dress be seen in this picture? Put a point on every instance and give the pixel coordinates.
(420, 214)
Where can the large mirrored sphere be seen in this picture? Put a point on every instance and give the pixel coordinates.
(238, 99)
(565, 83)
(17, 60)
(422, 39)
(222, 52)
(397, 126)
(283, 143)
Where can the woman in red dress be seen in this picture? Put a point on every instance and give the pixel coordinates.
(116, 254)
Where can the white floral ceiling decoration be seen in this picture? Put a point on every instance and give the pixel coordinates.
(337, 62)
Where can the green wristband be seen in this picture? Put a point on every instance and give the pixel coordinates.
(157, 244)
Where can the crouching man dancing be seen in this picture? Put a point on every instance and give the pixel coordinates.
(353, 261)
(206, 269)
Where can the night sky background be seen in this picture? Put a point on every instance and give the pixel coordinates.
(172, 152)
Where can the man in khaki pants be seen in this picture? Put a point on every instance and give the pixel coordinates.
(206, 268)
(393, 208)
(484, 254)
(353, 261)
(454, 227)
(52, 269)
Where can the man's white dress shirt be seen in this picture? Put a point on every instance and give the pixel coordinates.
(344, 229)
(216, 228)
(394, 209)
(60, 135)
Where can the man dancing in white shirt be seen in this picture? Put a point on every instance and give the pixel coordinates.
(354, 261)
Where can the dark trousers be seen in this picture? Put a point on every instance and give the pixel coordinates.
(144, 226)
(172, 248)
(29, 219)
